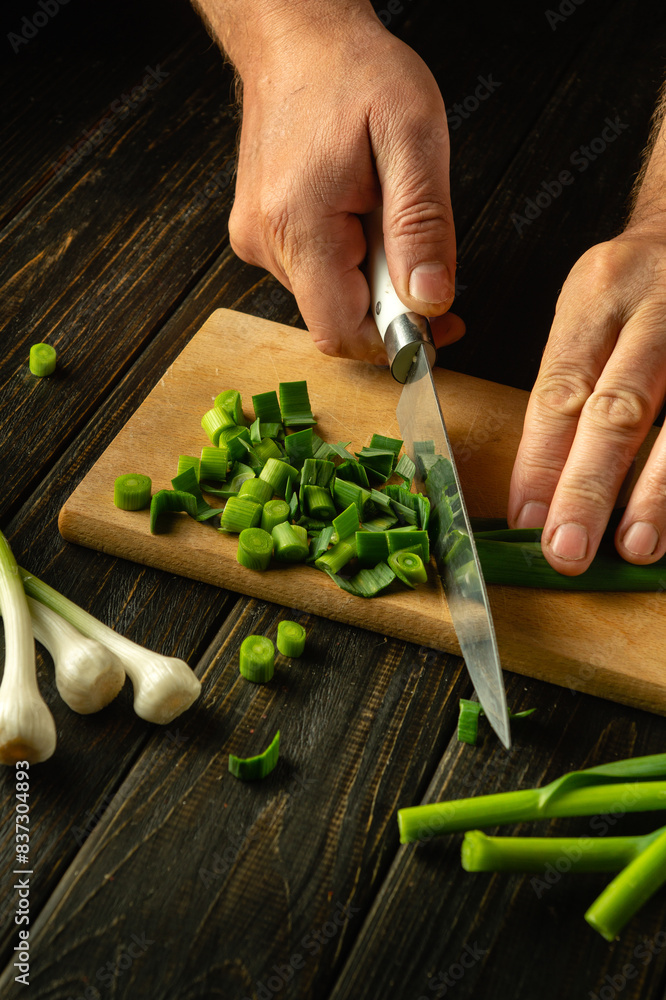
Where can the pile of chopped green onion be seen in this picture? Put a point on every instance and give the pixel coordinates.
(293, 498)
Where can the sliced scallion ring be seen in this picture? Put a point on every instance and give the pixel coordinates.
(42, 359)
(131, 491)
(290, 638)
(257, 658)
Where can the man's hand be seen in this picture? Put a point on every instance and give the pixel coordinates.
(601, 384)
(339, 116)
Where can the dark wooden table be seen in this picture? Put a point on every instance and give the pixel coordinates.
(156, 873)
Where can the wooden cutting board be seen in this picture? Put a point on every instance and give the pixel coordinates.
(612, 645)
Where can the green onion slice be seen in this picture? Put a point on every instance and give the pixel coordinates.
(212, 464)
(252, 768)
(367, 582)
(346, 523)
(257, 658)
(42, 359)
(408, 567)
(255, 548)
(295, 404)
(266, 407)
(289, 542)
(290, 638)
(468, 721)
(230, 400)
(274, 512)
(170, 501)
(240, 513)
(131, 491)
(257, 490)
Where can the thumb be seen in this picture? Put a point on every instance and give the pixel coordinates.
(419, 235)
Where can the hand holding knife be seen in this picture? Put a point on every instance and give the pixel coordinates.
(411, 354)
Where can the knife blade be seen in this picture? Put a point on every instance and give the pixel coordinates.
(411, 353)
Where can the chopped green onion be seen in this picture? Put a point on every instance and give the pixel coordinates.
(230, 400)
(404, 539)
(381, 443)
(317, 472)
(288, 543)
(42, 359)
(266, 407)
(274, 512)
(468, 721)
(405, 469)
(215, 421)
(131, 491)
(187, 482)
(408, 567)
(346, 523)
(295, 404)
(298, 446)
(381, 523)
(318, 502)
(278, 474)
(337, 557)
(253, 768)
(240, 473)
(255, 432)
(240, 513)
(236, 440)
(371, 547)
(170, 501)
(353, 472)
(290, 638)
(256, 489)
(367, 582)
(189, 462)
(257, 658)
(255, 548)
(378, 464)
(345, 493)
(321, 543)
(213, 464)
(266, 449)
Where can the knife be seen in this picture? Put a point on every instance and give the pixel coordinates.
(411, 354)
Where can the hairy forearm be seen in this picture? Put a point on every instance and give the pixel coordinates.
(648, 198)
(244, 28)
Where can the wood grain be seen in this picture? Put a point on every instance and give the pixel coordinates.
(586, 642)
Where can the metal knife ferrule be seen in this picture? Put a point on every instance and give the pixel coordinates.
(403, 337)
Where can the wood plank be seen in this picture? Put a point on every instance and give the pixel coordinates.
(607, 644)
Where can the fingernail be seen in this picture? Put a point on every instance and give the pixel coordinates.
(533, 515)
(431, 283)
(641, 538)
(570, 542)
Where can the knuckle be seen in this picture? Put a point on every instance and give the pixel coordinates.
(603, 266)
(328, 344)
(240, 228)
(563, 393)
(619, 409)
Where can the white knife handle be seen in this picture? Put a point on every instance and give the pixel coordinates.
(402, 330)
